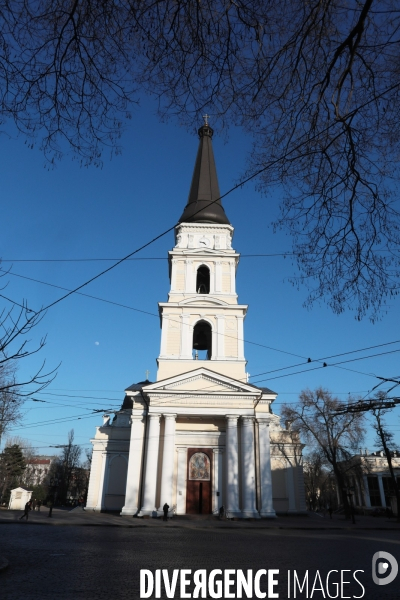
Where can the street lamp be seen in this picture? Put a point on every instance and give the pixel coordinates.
(349, 492)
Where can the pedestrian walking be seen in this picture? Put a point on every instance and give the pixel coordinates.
(26, 510)
(50, 505)
(165, 509)
(330, 511)
(221, 512)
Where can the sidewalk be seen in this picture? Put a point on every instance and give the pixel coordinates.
(311, 521)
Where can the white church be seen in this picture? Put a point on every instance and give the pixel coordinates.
(201, 436)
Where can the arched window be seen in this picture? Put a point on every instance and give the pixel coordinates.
(203, 280)
(202, 340)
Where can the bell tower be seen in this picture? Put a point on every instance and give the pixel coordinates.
(202, 319)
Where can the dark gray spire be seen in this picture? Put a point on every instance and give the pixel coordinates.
(204, 188)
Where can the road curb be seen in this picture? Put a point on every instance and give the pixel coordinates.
(4, 564)
(205, 528)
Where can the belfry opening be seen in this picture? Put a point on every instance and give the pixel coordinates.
(203, 280)
(202, 341)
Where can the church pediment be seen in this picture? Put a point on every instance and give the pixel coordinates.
(202, 380)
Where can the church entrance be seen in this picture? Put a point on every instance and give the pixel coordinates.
(198, 494)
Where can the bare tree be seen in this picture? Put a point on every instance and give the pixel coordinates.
(16, 325)
(317, 85)
(65, 467)
(335, 435)
(385, 440)
(318, 481)
(10, 402)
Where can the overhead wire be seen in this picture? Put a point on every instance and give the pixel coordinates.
(224, 334)
(164, 258)
(285, 155)
(157, 237)
(95, 412)
(280, 369)
(152, 314)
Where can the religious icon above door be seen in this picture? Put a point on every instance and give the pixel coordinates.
(199, 467)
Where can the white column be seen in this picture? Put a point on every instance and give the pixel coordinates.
(220, 337)
(167, 473)
(151, 466)
(381, 491)
(240, 338)
(134, 464)
(338, 496)
(232, 467)
(248, 471)
(217, 480)
(186, 334)
(100, 496)
(266, 508)
(211, 266)
(181, 481)
(164, 329)
(366, 492)
(233, 278)
(214, 343)
(290, 473)
(221, 485)
(358, 498)
(189, 284)
(218, 276)
(173, 274)
(95, 477)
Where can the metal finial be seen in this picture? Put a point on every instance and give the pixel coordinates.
(147, 374)
(206, 117)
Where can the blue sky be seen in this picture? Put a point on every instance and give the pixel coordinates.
(71, 212)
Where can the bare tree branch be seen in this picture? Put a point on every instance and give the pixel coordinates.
(316, 84)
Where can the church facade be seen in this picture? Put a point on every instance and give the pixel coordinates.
(201, 436)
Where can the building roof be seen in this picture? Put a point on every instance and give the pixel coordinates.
(266, 390)
(203, 205)
(135, 387)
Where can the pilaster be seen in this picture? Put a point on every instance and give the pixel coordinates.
(290, 472)
(220, 337)
(100, 495)
(240, 341)
(190, 284)
(217, 480)
(181, 481)
(186, 330)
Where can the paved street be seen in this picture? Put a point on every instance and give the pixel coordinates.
(94, 562)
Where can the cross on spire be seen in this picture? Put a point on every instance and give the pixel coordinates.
(206, 117)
